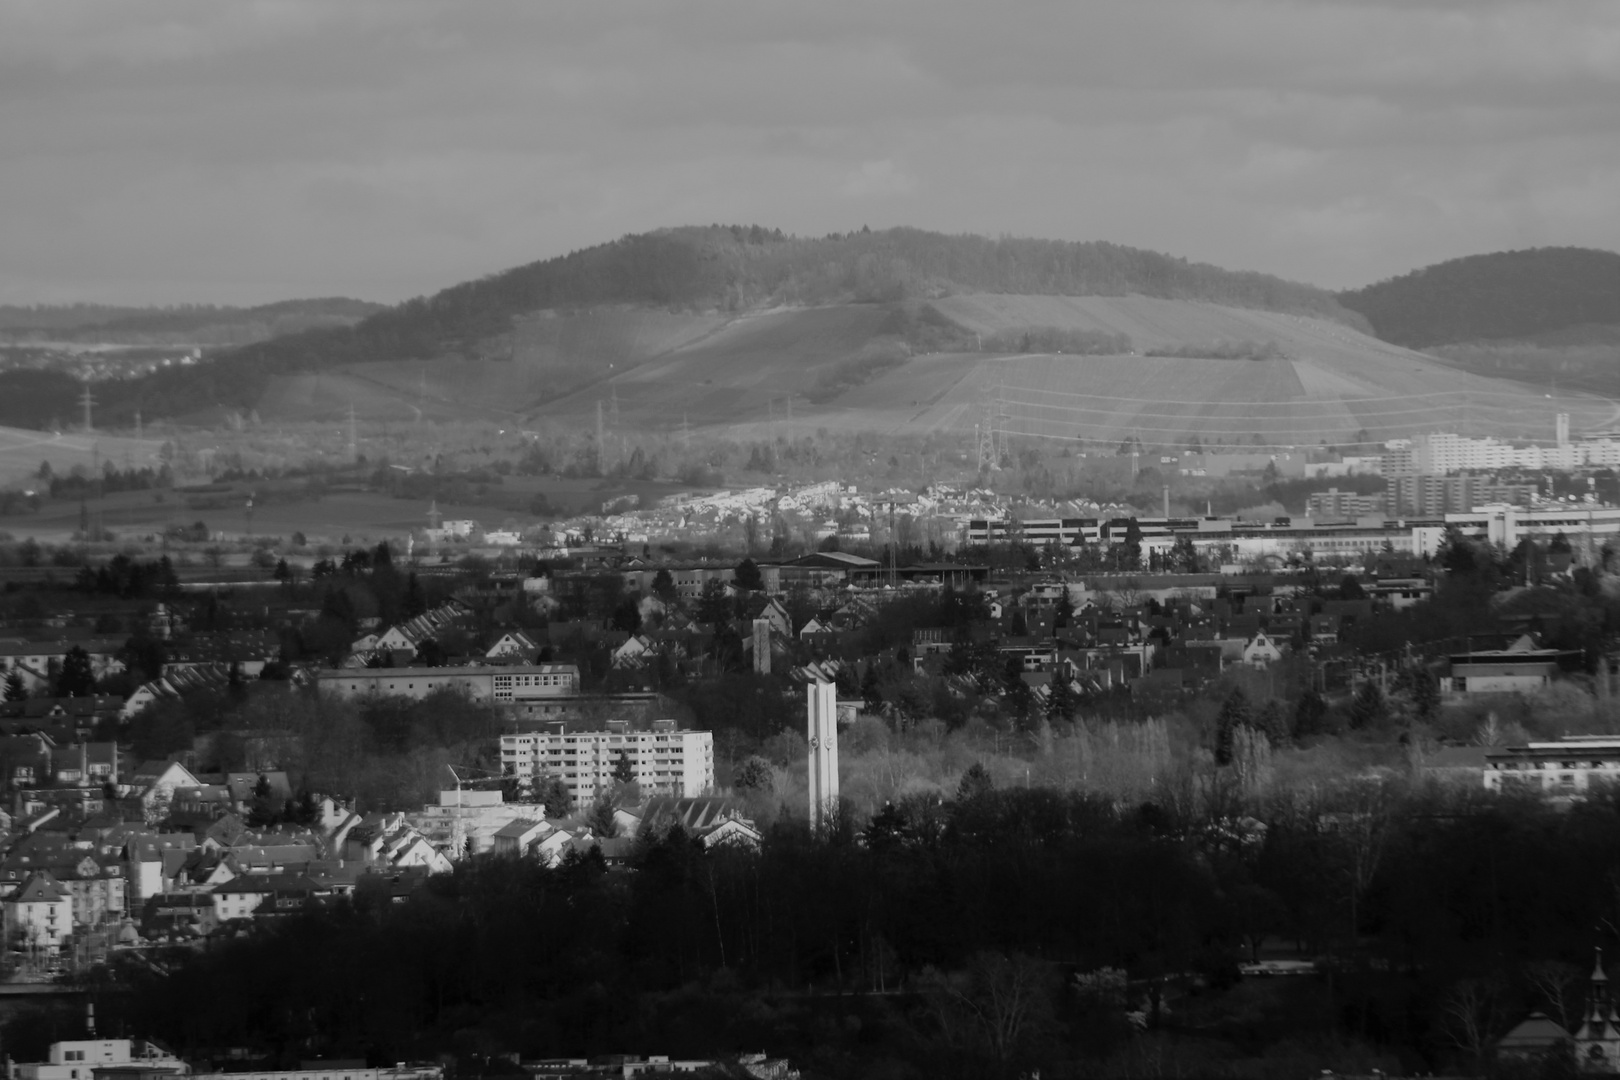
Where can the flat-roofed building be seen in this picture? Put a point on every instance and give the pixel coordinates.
(503, 684)
(1523, 667)
(663, 759)
(1568, 766)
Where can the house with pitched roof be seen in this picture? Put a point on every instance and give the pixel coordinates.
(39, 914)
(712, 819)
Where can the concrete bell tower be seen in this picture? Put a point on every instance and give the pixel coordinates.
(823, 735)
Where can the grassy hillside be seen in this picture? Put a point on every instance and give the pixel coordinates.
(701, 270)
(1329, 383)
(1509, 294)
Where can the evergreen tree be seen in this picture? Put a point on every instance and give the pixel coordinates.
(552, 793)
(1274, 722)
(76, 678)
(871, 691)
(713, 606)
(754, 774)
(415, 602)
(1063, 614)
(1425, 694)
(1234, 714)
(1310, 714)
(623, 771)
(975, 782)
(1368, 707)
(1133, 545)
(748, 577)
(15, 690)
(1060, 699)
(601, 819)
(663, 586)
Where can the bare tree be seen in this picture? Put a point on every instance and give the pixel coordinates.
(1471, 1012)
(1003, 1000)
(1557, 984)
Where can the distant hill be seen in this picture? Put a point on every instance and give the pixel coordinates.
(699, 272)
(187, 324)
(1509, 294)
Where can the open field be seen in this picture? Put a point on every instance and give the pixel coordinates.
(138, 513)
(22, 450)
(744, 370)
(369, 516)
(1333, 383)
(546, 356)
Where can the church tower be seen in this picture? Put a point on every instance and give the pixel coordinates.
(1597, 1040)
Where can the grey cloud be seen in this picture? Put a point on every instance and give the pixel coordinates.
(196, 151)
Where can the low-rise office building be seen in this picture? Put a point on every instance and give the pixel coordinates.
(512, 684)
(1568, 766)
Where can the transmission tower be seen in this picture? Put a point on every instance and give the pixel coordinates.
(1001, 424)
(601, 447)
(985, 433)
(87, 400)
(354, 436)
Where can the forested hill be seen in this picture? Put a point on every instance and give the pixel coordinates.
(726, 268)
(1509, 294)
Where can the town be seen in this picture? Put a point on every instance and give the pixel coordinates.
(216, 742)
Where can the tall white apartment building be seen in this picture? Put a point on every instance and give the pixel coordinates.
(664, 760)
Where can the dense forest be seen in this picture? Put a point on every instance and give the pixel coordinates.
(709, 268)
(1509, 294)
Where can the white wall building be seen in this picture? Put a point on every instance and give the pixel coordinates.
(39, 915)
(73, 1059)
(514, 683)
(665, 761)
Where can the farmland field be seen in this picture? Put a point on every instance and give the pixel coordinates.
(1330, 384)
(544, 357)
(844, 368)
(22, 450)
(742, 371)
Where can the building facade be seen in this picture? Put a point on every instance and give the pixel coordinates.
(511, 684)
(663, 760)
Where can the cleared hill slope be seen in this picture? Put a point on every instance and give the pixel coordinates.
(1330, 383)
(710, 270)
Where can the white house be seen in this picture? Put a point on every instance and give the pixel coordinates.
(632, 653)
(77, 1059)
(514, 643)
(517, 837)
(39, 915)
(1261, 650)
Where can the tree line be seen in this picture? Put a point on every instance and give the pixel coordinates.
(985, 934)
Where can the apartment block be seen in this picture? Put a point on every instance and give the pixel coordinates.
(664, 760)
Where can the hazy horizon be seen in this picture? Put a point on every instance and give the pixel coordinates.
(194, 153)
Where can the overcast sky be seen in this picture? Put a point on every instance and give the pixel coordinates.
(237, 152)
